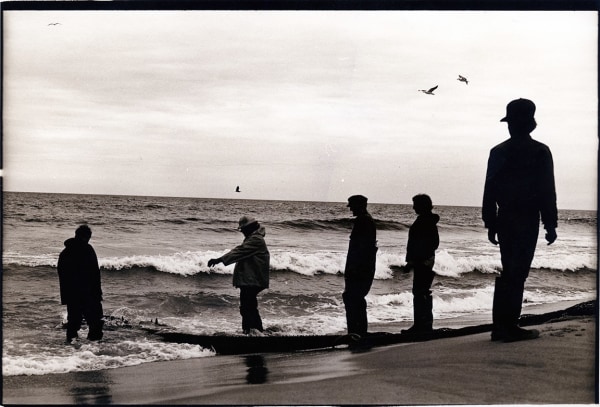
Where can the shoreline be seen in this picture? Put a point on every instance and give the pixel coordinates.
(560, 367)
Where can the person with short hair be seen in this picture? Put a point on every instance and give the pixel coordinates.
(360, 266)
(251, 271)
(80, 285)
(519, 189)
(423, 241)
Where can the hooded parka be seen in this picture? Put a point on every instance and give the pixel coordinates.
(251, 260)
(423, 238)
(79, 273)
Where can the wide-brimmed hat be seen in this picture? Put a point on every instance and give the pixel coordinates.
(357, 200)
(245, 221)
(519, 110)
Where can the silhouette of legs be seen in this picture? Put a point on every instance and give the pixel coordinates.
(422, 300)
(249, 309)
(74, 318)
(356, 306)
(92, 312)
(517, 234)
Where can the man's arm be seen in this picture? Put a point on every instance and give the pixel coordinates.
(548, 208)
(489, 209)
(248, 248)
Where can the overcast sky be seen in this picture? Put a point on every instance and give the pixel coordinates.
(294, 105)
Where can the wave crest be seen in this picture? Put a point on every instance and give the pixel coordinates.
(318, 262)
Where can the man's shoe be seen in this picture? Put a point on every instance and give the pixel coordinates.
(254, 332)
(72, 341)
(498, 336)
(520, 334)
(72, 337)
(359, 343)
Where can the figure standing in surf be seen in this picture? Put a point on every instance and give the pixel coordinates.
(251, 271)
(360, 266)
(80, 285)
(423, 241)
(519, 187)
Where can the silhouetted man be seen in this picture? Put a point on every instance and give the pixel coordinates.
(360, 266)
(80, 286)
(519, 186)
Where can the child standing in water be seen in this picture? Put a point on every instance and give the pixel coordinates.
(423, 240)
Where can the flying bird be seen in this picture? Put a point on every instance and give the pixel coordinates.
(237, 189)
(462, 79)
(429, 91)
(54, 24)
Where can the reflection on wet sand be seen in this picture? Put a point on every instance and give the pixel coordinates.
(257, 371)
(91, 388)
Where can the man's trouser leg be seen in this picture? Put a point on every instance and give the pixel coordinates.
(74, 318)
(508, 300)
(249, 309)
(93, 314)
(517, 236)
(422, 300)
(356, 306)
(498, 310)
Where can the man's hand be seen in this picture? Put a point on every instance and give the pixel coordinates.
(492, 236)
(551, 236)
(212, 262)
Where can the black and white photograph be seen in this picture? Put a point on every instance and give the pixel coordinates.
(299, 207)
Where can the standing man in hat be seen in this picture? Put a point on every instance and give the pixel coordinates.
(80, 286)
(360, 266)
(519, 188)
(251, 271)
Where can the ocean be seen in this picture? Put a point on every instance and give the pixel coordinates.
(153, 253)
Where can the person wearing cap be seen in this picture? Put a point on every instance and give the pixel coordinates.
(519, 189)
(251, 271)
(360, 266)
(80, 285)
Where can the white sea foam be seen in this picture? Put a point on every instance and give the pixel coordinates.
(94, 356)
(314, 324)
(308, 263)
(187, 263)
(452, 303)
(449, 263)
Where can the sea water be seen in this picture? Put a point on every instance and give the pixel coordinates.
(153, 254)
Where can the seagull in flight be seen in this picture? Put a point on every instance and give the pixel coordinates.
(237, 189)
(429, 91)
(54, 24)
(462, 79)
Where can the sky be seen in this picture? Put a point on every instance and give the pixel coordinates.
(293, 105)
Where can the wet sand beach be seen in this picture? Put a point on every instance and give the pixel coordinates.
(558, 368)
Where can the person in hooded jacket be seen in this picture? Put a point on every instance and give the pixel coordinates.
(80, 285)
(423, 240)
(251, 271)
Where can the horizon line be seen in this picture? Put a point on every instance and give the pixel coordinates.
(254, 199)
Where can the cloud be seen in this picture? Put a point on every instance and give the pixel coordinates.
(188, 103)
